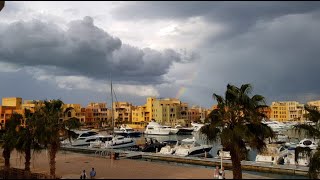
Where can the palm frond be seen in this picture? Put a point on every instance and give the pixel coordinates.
(310, 130)
(209, 132)
(314, 166)
(246, 88)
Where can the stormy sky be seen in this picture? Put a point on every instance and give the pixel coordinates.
(189, 50)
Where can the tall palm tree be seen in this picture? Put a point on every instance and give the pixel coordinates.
(311, 131)
(26, 139)
(237, 121)
(11, 130)
(48, 128)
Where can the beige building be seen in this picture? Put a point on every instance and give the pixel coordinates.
(73, 111)
(314, 103)
(142, 115)
(287, 111)
(9, 106)
(12, 102)
(96, 114)
(122, 112)
(31, 104)
(169, 111)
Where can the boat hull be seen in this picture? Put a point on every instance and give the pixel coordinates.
(121, 145)
(133, 134)
(184, 131)
(164, 133)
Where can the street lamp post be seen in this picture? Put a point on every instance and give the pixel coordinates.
(221, 154)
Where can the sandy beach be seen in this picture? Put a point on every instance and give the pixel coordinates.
(70, 165)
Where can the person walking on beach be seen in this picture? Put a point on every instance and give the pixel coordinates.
(83, 175)
(216, 173)
(92, 173)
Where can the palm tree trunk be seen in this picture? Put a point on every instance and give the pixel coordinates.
(28, 159)
(6, 156)
(53, 149)
(236, 164)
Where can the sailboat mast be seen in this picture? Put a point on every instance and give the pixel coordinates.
(112, 108)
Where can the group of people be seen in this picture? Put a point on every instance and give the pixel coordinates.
(92, 174)
(219, 173)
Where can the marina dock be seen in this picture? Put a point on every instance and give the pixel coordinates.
(207, 162)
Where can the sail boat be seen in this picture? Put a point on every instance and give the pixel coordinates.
(117, 141)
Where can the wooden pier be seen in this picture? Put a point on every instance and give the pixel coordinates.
(208, 162)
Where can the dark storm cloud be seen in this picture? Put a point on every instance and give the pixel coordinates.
(272, 45)
(279, 58)
(235, 16)
(83, 49)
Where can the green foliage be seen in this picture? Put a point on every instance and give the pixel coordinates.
(11, 130)
(314, 166)
(238, 120)
(72, 123)
(311, 131)
(12, 127)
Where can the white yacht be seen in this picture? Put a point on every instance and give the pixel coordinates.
(196, 126)
(270, 155)
(172, 130)
(119, 142)
(189, 147)
(279, 138)
(184, 130)
(154, 128)
(85, 137)
(308, 143)
(127, 131)
(275, 125)
(169, 148)
(99, 142)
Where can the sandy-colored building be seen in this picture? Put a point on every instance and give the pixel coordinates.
(12, 102)
(9, 106)
(314, 103)
(287, 111)
(73, 111)
(169, 111)
(96, 114)
(140, 116)
(122, 112)
(31, 104)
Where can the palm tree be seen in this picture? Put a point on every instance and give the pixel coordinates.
(11, 130)
(237, 121)
(311, 131)
(48, 128)
(26, 139)
(72, 123)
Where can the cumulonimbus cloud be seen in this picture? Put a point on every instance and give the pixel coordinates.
(84, 49)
